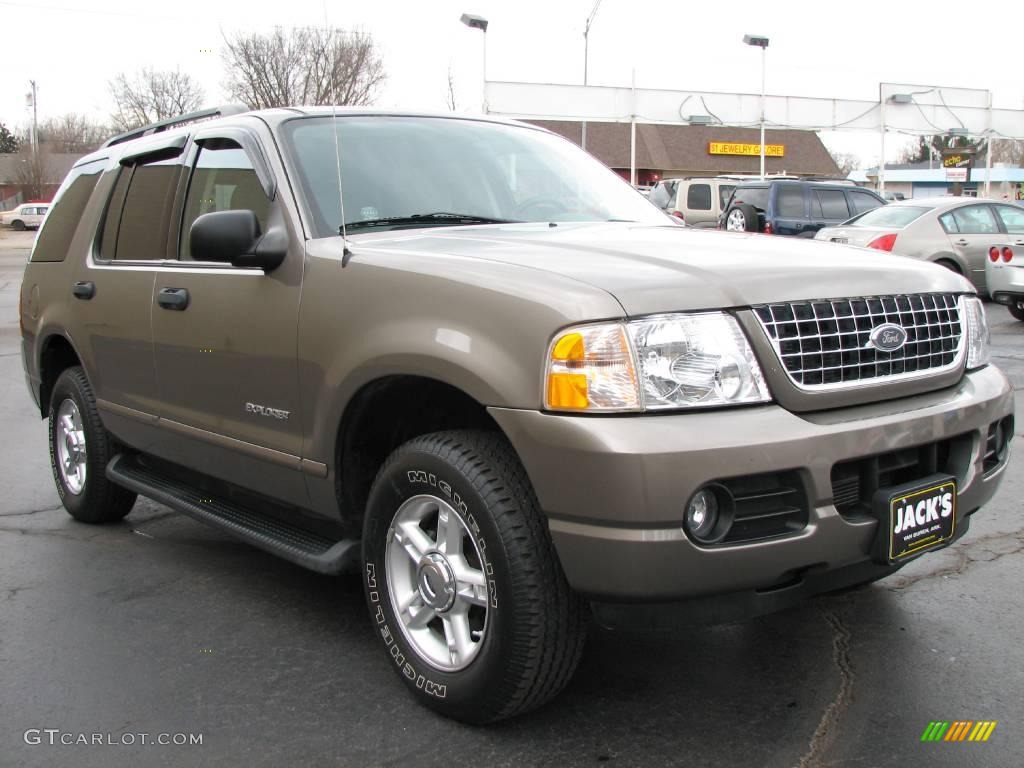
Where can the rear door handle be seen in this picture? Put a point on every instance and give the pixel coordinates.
(173, 298)
(961, 241)
(84, 290)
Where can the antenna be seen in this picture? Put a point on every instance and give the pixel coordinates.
(346, 253)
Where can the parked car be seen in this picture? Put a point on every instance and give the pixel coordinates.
(25, 216)
(1004, 267)
(387, 343)
(699, 202)
(955, 232)
(663, 194)
(794, 207)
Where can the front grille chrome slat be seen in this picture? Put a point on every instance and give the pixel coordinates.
(824, 344)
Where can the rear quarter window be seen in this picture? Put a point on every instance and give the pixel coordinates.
(60, 226)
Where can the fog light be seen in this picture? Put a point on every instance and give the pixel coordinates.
(708, 515)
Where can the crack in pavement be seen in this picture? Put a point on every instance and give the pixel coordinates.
(963, 552)
(825, 734)
(31, 511)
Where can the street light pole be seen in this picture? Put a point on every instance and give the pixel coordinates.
(35, 122)
(479, 22)
(759, 41)
(586, 59)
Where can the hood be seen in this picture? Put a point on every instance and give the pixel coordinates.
(652, 269)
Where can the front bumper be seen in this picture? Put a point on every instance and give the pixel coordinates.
(614, 488)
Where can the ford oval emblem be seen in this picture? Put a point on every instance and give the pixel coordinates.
(887, 337)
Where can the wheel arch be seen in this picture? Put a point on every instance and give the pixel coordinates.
(56, 354)
(383, 414)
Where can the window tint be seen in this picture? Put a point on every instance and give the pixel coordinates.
(1013, 218)
(223, 180)
(724, 192)
(973, 220)
(136, 229)
(862, 201)
(698, 197)
(830, 204)
(789, 201)
(55, 237)
(755, 196)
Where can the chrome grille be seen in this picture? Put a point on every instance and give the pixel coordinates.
(824, 344)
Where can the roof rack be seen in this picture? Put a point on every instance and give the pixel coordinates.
(225, 110)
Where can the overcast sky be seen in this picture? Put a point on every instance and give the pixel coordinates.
(72, 48)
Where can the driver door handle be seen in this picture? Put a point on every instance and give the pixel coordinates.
(173, 298)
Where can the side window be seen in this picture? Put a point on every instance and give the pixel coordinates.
(862, 202)
(698, 197)
(138, 215)
(55, 237)
(832, 204)
(1012, 217)
(949, 223)
(790, 201)
(223, 180)
(975, 220)
(724, 193)
(659, 195)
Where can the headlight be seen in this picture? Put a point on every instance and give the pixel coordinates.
(976, 331)
(661, 362)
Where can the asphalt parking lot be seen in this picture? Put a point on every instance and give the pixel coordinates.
(159, 625)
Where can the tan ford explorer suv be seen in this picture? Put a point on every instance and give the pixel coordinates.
(462, 358)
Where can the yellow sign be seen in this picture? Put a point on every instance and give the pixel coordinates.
(726, 148)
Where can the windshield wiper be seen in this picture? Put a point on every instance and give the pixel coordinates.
(427, 219)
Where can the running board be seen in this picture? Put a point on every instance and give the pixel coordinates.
(310, 550)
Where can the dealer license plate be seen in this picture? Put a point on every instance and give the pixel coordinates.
(918, 516)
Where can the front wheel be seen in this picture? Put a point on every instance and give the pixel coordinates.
(1016, 312)
(80, 449)
(462, 581)
(18, 225)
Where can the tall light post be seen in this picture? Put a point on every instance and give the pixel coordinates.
(760, 42)
(586, 58)
(30, 99)
(479, 22)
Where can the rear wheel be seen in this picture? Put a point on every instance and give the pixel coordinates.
(952, 266)
(18, 224)
(462, 580)
(80, 449)
(1016, 311)
(741, 218)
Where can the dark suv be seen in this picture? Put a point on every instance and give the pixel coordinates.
(797, 207)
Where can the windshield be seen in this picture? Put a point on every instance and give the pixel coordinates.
(890, 216)
(407, 168)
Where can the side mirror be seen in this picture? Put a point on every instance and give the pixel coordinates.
(234, 237)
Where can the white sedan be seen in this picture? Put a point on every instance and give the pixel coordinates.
(25, 216)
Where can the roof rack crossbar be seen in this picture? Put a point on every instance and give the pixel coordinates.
(224, 110)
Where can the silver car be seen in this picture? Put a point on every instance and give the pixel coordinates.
(956, 232)
(1004, 268)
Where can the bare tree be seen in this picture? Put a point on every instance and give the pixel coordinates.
(450, 96)
(845, 161)
(33, 172)
(152, 95)
(302, 66)
(1008, 151)
(72, 133)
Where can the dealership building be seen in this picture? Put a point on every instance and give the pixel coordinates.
(1006, 182)
(667, 151)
